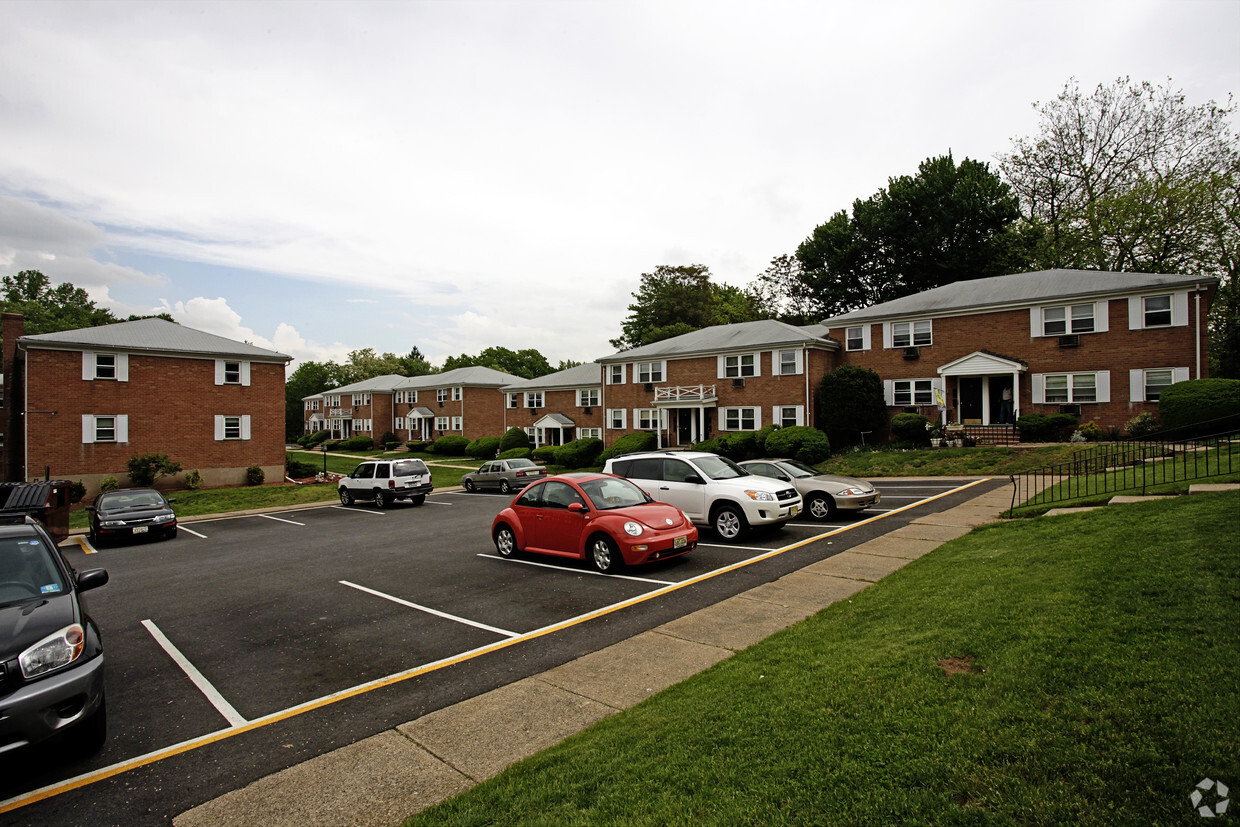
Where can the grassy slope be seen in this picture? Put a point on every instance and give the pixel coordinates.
(1106, 687)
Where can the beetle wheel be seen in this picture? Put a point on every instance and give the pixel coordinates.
(505, 541)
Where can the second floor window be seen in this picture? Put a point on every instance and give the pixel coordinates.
(105, 366)
(911, 334)
(232, 373)
(1057, 321)
(441, 395)
(854, 338)
(1157, 311)
(735, 367)
(534, 399)
(648, 372)
(588, 397)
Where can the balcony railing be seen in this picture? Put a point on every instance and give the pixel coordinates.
(685, 393)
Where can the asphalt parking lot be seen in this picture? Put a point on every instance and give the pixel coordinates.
(249, 644)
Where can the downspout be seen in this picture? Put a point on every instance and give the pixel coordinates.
(1197, 338)
(25, 418)
(809, 407)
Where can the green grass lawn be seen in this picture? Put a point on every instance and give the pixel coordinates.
(1102, 683)
(983, 460)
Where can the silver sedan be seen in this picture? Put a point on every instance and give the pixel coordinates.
(824, 494)
(505, 474)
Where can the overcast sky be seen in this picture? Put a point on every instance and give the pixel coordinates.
(322, 177)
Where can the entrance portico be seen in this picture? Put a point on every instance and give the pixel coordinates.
(983, 388)
(686, 412)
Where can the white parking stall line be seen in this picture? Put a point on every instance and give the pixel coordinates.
(428, 610)
(222, 706)
(436, 502)
(732, 547)
(280, 519)
(358, 510)
(579, 571)
(191, 531)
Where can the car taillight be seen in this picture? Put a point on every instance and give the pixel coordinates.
(391, 483)
(521, 473)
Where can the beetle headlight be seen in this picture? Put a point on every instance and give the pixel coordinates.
(54, 651)
(633, 528)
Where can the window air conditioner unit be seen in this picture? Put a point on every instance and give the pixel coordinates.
(587, 409)
(738, 383)
(1075, 410)
(649, 387)
(1071, 340)
(912, 353)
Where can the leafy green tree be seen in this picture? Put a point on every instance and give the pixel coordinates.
(527, 363)
(779, 292)
(674, 300)
(307, 379)
(50, 309)
(948, 223)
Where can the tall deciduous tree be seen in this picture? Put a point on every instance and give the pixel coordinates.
(945, 224)
(307, 379)
(527, 363)
(674, 300)
(51, 309)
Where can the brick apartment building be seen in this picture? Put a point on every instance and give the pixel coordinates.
(559, 407)
(79, 403)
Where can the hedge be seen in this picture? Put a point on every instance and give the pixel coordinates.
(910, 427)
(1198, 407)
(809, 445)
(515, 453)
(544, 454)
(484, 447)
(629, 443)
(580, 453)
(450, 445)
(514, 437)
(1046, 427)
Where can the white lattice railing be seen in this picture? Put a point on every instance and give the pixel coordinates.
(684, 393)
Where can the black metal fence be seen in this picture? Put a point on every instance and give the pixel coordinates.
(1133, 466)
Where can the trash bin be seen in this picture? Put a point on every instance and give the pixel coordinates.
(47, 502)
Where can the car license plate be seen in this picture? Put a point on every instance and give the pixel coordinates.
(139, 529)
(680, 542)
(792, 512)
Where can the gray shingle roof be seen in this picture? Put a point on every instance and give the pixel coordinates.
(581, 376)
(473, 377)
(1021, 289)
(724, 337)
(375, 384)
(153, 335)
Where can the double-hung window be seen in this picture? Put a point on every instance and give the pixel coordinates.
(456, 394)
(788, 416)
(911, 334)
(441, 423)
(787, 362)
(740, 366)
(441, 396)
(649, 372)
(646, 419)
(232, 372)
(232, 427)
(1057, 321)
(1156, 381)
(1066, 388)
(105, 429)
(741, 419)
(534, 399)
(616, 419)
(909, 392)
(588, 397)
(514, 400)
(589, 433)
(615, 374)
(854, 338)
(105, 366)
(1157, 311)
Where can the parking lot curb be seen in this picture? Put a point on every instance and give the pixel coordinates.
(386, 778)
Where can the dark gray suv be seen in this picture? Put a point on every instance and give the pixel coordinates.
(51, 655)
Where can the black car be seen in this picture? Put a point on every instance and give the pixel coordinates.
(51, 655)
(134, 512)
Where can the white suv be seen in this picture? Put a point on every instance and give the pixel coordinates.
(711, 490)
(386, 480)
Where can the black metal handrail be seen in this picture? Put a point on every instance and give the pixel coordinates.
(1132, 465)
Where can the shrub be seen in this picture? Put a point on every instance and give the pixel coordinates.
(450, 445)
(416, 446)
(761, 436)
(144, 469)
(627, 444)
(911, 428)
(77, 490)
(513, 438)
(391, 446)
(1090, 430)
(580, 453)
(317, 437)
(545, 454)
(708, 445)
(1142, 425)
(1046, 428)
(1200, 406)
(254, 475)
(388, 438)
(515, 453)
(297, 469)
(809, 445)
(193, 480)
(484, 447)
(331, 445)
(737, 446)
(850, 400)
(1077, 437)
(361, 442)
(109, 484)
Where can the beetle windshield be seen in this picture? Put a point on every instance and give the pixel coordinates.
(613, 492)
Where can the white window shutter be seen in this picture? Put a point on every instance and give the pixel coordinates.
(88, 429)
(1136, 385)
(1102, 316)
(1179, 309)
(886, 334)
(889, 392)
(245, 374)
(122, 367)
(757, 366)
(757, 419)
(219, 426)
(1136, 313)
(1104, 385)
(1039, 383)
(245, 426)
(865, 337)
(1179, 375)
(720, 362)
(1035, 322)
(88, 365)
(219, 373)
(122, 428)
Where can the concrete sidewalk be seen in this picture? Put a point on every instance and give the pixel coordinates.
(386, 778)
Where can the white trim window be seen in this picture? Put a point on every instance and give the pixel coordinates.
(332, 402)
(646, 373)
(364, 426)
(441, 423)
(533, 399)
(616, 419)
(1071, 388)
(788, 416)
(232, 427)
(457, 393)
(739, 366)
(106, 428)
(857, 338)
(912, 334)
(441, 396)
(1166, 310)
(1060, 321)
(458, 423)
(646, 419)
(106, 366)
(787, 362)
(741, 419)
(589, 397)
(589, 433)
(909, 392)
(361, 399)
(1147, 385)
(406, 397)
(1157, 311)
(232, 372)
(615, 374)
(514, 400)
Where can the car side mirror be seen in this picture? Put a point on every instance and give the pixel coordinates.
(91, 579)
(576, 508)
(170, 500)
(695, 479)
(90, 508)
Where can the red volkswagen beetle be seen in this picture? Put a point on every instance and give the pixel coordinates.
(601, 518)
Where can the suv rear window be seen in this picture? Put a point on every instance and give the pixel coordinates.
(408, 468)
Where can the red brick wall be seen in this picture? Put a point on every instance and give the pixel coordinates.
(554, 401)
(171, 404)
